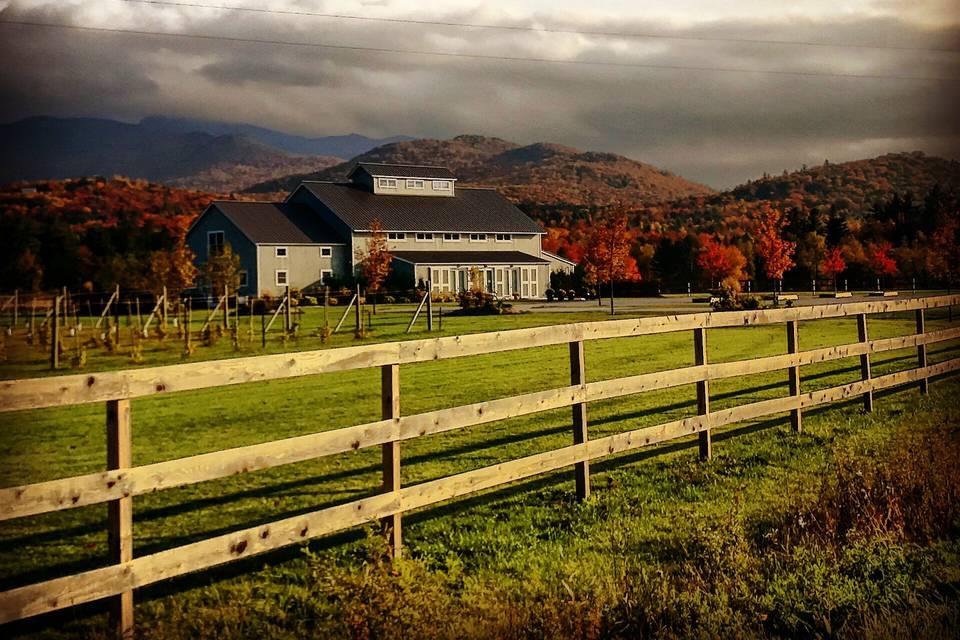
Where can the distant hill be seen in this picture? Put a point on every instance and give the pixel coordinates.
(857, 185)
(44, 148)
(536, 175)
(340, 147)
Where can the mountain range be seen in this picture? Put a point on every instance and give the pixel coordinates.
(538, 174)
(213, 156)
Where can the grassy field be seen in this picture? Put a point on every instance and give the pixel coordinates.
(655, 514)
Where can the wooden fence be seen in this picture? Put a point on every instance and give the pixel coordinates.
(121, 481)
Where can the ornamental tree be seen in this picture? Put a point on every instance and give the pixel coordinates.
(775, 252)
(880, 261)
(722, 263)
(376, 260)
(833, 265)
(608, 254)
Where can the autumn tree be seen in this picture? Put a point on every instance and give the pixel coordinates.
(943, 258)
(173, 270)
(881, 262)
(608, 254)
(223, 270)
(833, 265)
(723, 264)
(775, 252)
(375, 261)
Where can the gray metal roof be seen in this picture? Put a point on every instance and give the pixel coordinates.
(478, 210)
(278, 222)
(405, 170)
(467, 257)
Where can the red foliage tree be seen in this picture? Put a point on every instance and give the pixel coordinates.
(833, 265)
(881, 262)
(608, 254)
(775, 252)
(722, 263)
(376, 260)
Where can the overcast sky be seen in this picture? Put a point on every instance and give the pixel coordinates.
(718, 127)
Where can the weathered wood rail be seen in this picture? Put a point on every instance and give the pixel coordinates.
(121, 482)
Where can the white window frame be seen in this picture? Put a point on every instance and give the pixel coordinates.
(442, 185)
(451, 237)
(397, 236)
(280, 252)
(211, 234)
(503, 237)
(286, 277)
(326, 252)
(427, 237)
(387, 183)
(325, 275)
(478, 237)
(415, 184)
(244, 278)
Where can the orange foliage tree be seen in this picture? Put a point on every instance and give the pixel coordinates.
(376, 259)
(608, 254)
(833, 265)
(724, 264)
(775, 252)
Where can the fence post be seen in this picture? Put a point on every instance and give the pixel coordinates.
(793, 346)
(226, 308)
(120, 511)
(287, 321)
(390, 410)
(863, 336)
(55, 334)
(703, 391)
(922, 352)
(429, 300)
(578, 377)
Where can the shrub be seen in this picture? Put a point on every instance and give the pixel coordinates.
(571, 295)
(308, 301)
(550, 294)
(481, 303)
(389, 300)
(331, 301)
(730, 300)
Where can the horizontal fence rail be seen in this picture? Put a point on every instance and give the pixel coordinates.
(122, 482)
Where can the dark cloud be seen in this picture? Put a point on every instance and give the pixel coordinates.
(717, 127)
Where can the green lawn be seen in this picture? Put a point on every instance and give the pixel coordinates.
(530, 533)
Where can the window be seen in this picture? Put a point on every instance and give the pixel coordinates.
(451, 237)
(441, 185)
(388, 183)
(397, 236)
(478, 237)
(326, 252)
(280, 252)
(424, 237)
(215, 243)
(504, 237)
(325, 275)
(414, 184)
(243, 278)
(281, 277)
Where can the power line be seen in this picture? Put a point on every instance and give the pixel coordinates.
(476, 56)
(606, 34)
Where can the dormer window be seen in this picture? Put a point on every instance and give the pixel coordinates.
(387, 183)
(414, 184)
(442, 185)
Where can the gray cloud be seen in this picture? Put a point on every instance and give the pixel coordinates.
(719, 128)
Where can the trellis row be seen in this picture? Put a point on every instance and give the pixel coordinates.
(121, 482)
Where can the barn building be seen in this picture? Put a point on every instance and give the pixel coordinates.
(435, 229)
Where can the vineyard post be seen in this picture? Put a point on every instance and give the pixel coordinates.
(55, 334)
(390, 451)
(429, 299)
(16, 306)
(358, 313)
(287, 323)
